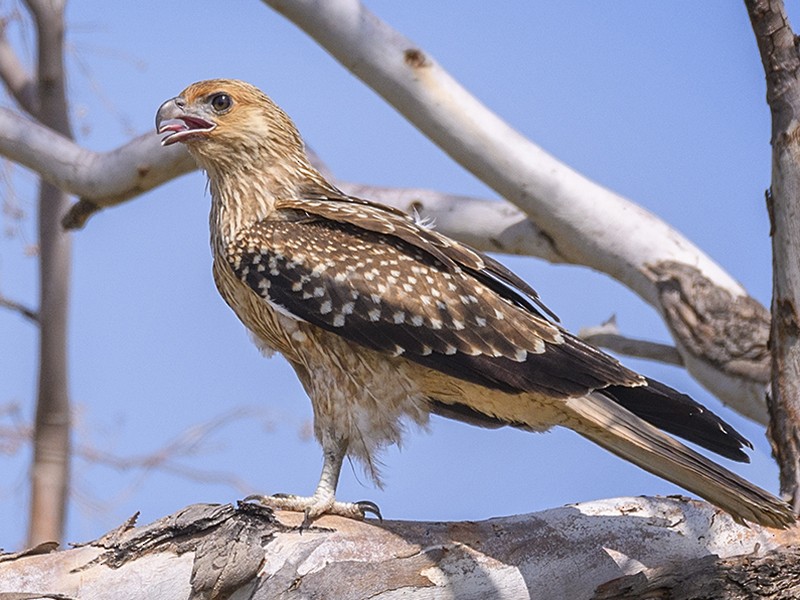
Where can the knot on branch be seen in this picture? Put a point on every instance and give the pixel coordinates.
(78, 214)
(731, 332)
(227, 542)
(415, 58)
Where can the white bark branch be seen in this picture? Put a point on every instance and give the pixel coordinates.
(208, 551)
(595, 226)
(491, 226)
(102, 178)
(109, 178)
(588, 224)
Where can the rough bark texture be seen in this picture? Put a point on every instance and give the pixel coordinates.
(779, 55)
(50, 469)
(714, 326)
(775, 575)
(212, 552)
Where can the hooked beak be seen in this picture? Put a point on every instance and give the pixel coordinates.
(180, 123)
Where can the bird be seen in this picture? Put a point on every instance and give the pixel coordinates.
(387, 321)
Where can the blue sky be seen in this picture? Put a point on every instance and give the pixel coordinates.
(660, 102)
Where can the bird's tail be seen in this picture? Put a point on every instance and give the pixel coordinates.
(601, 420)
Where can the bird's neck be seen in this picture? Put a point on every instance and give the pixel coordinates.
(245, 194)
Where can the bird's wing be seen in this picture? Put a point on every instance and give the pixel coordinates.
(336, 206)
(395, 287)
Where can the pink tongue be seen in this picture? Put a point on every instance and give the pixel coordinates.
(172, 125)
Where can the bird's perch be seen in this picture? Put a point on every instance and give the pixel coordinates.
(215, 551)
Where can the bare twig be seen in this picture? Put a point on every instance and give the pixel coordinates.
(26, 312)
(608, 336)
(20, 83)
(166, 458)
(16, 433)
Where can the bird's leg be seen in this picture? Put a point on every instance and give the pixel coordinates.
(324, 499)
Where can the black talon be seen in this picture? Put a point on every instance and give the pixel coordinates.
(367, 506)
(256, 498)
(306, 524)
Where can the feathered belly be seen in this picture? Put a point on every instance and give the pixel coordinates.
(356, 394)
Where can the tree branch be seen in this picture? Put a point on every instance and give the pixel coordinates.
(491, 226)
(214, 552)
(607, 336)
(779, 55)
(26, 312)
(767, 576)
(50, 470)
(102, 179)
(587, 223)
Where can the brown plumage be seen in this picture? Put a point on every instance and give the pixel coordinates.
(386, 321)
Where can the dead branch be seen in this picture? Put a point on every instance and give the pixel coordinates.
(608, 336)
(20, 308)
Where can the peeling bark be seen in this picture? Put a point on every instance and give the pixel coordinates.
(717, 328)
(774, 575)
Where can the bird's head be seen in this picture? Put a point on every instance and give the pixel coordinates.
(225, 122)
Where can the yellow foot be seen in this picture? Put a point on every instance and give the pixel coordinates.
(316, 506)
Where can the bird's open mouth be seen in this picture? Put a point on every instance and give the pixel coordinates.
(183, 128)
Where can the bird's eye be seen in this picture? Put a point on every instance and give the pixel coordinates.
(221, 102)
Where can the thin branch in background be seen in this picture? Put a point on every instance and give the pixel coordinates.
(167, 459)
(608, 336)
(106, 101)
(25, 311)
(13, 213)
(189, 443)
(15, 432)
(18, 80)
